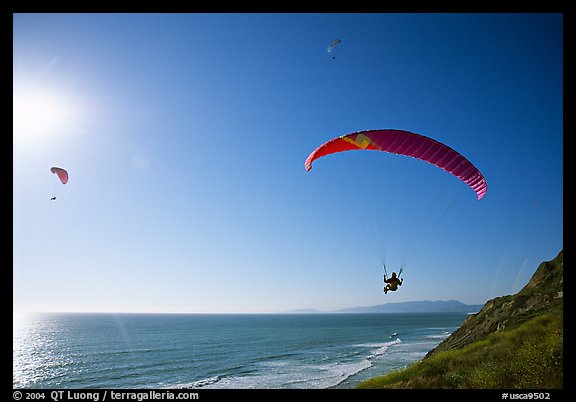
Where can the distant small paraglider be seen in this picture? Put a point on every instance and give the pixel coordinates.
(62, 175)
(332, 45)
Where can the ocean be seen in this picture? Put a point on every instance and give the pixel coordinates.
(223, 351)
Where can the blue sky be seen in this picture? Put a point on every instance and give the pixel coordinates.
(185, 137)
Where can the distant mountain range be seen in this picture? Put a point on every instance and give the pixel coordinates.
(424, 306)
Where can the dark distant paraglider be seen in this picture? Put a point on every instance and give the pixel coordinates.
(409, 144)
(332, 45)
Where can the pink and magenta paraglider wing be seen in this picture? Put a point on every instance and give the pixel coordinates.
(61, 173)
(409, 144)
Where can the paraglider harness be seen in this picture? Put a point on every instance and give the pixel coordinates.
(389, 285)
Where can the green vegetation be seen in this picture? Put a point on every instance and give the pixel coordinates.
(526, 356)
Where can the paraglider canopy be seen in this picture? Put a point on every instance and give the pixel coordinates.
(409, 144)
(332, 45)
(61, 173)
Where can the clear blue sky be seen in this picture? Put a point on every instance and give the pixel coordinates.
(185, 137)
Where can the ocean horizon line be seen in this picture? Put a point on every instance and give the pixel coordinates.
(371, 309)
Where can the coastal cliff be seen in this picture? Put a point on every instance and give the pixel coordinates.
(514, 341)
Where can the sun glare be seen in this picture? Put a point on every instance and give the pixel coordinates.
(37, 115)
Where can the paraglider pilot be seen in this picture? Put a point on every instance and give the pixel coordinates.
(392, 283)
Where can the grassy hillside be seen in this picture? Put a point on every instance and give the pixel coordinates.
(515, 342)
(527, 357)
(543, 292)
